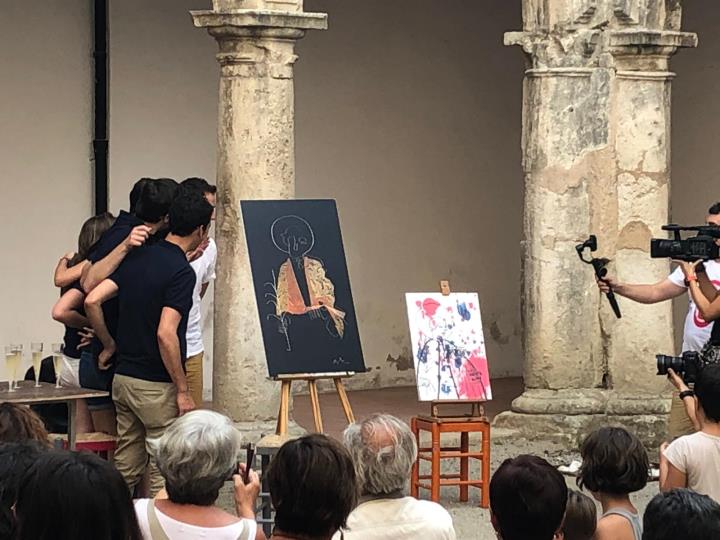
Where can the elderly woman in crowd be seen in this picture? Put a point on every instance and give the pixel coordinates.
(19, 423)
(312, 487)
(195, 456)
(383, 450)
(73, 496)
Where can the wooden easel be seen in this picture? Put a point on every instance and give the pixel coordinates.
(477, 407)
(311, 379)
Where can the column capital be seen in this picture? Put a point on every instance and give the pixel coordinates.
(259, 23)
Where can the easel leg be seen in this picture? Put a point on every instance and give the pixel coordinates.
(344, 401)
(315, 401)
(284, 412)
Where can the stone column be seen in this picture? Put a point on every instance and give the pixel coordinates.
(596, 161)
(256, 160)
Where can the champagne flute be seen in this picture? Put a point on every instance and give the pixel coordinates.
(13, 357)
(57, 354)
(37, 349)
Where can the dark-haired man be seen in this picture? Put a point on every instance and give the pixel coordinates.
(696, 332)
(528, 497)
(203, 261)
(681, 513)
(154, 288)
(150, 201)
(693, 461)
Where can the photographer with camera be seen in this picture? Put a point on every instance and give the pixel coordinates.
(698, 328)
(693, 461)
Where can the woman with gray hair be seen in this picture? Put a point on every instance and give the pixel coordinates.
(383, 450)
(196, 455)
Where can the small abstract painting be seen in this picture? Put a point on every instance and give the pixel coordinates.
(448, 346)
(306, 309)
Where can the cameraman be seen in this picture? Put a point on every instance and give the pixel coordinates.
(698, 327)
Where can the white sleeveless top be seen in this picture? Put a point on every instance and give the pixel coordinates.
(177, 530)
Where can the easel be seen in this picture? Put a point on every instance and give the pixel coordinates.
(311, 379)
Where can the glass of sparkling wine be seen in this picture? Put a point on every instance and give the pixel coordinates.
(13, 357)
(57, 354)
(36, 349)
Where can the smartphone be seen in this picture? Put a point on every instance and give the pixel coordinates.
(249, 462)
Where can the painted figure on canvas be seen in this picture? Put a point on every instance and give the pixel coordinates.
(448, 346)
(301, 286)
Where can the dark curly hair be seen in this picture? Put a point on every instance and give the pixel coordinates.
(614, 462)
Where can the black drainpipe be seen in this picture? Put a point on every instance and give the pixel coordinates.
(100, 102)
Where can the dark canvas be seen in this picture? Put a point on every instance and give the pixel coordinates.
(302, 287)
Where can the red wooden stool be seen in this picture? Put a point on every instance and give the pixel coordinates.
(434, 453)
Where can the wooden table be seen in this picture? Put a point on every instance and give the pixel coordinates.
(28, 394)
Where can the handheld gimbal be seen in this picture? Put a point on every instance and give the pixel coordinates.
(599, 266)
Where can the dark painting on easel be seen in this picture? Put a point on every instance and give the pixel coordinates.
(302, 287)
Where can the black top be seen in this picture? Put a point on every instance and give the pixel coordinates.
(715, 334)
(110, 239)
(150, 279)
(71, 340)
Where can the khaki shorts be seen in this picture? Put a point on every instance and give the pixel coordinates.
(194, 375)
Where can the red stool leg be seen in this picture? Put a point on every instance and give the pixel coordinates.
(415, 476)
(464, 465)
(485, 496)
(435, 473)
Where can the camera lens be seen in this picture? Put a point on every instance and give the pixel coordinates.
(665, 362)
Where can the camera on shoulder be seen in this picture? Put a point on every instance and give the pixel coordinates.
(701, 246)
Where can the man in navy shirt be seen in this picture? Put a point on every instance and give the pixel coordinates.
(150, 201)
(154, 289)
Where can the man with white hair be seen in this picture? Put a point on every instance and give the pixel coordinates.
(383, 450)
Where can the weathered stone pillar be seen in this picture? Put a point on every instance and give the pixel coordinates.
(596, 138)
(256, 160)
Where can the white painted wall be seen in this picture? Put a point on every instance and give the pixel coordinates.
(45, 151)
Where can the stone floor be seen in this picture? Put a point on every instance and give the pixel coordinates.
(471, 521)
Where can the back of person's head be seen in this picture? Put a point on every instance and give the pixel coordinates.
(383, 450)
(707, 390)
(614, 462)
(135, 193)
(312, 486)
(90, 233)
(154, 200)
(714, 209)
(681, 514)
(71, 495)
(580, 517)
(19, 423)
(15, 460)
(528, 497)
(196, 454)
(198, 184)
(189, 211)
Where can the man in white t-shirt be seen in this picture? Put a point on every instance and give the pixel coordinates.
(203, 262)
(696, 332)
(383, 450)
(693, 461)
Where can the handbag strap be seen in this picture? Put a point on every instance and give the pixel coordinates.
(156, 530)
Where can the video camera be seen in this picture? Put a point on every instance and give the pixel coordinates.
(701, 246)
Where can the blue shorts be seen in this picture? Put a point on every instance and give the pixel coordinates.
(92, 377)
